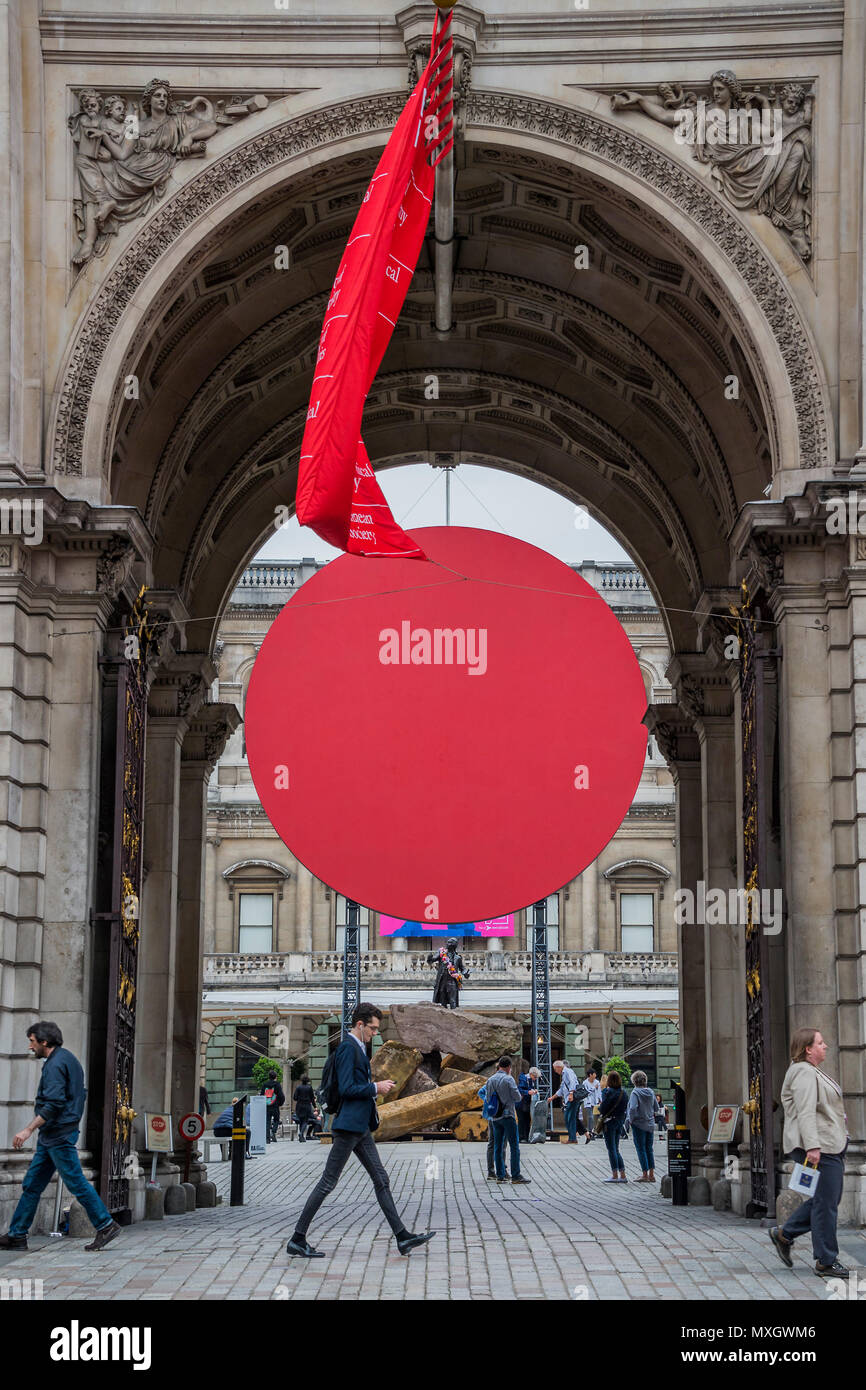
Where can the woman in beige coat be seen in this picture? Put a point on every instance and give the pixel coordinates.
(815, 1132)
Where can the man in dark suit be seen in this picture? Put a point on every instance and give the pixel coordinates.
(351, 1129)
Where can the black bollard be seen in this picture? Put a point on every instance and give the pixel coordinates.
(679, 1151)
(239, 1144)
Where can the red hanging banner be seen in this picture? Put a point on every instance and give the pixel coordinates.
(338, 495)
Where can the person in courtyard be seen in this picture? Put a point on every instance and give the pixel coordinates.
(642, 1106)
(612, 1113)
(571, 1093)
(527, 1084)
(275, 1096)
(485, 1115)
(661, 1115)
(224, 1124)
(304, 1100)
(503, 1086)
(355, 1118)
(591, 1101)
(59, 1106)
(815, 1132)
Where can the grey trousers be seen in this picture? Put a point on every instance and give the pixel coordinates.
(347, 1142)
(818, 1214)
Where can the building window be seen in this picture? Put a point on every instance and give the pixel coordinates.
(636, 920)
(256, 923)
(250, 1045)
(552, 924)
(363, 918)
(639, 1047)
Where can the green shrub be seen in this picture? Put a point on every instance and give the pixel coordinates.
(260, 1071)
(621, 1065)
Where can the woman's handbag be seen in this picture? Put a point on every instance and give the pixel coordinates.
(804, 1179)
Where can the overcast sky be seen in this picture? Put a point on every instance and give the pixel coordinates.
(484, 497)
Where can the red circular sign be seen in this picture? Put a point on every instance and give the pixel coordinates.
(158, 1123)
(725, 1114)
(446, 740)
(192, 1126)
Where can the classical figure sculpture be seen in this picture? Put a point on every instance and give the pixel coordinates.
(449, 974)
(760, 151)
(125, 154)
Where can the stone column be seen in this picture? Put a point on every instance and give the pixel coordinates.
(678, 743)
(303, 909)
(203, 744)
(175, 697)
(589, 908)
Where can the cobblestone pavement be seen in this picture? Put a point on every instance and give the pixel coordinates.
(565, 1236)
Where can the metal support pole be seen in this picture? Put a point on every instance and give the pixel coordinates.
(58, 1207)
(351, 966)
(679, 1151)
(239, 1146)
(541, 1003)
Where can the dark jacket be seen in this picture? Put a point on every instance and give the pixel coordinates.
(525, 1084)
(614, 1104)
(304, 1098)
(357, 1089)
(279, 1096)
(61, 1096)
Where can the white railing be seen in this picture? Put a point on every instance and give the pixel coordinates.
(485, 967)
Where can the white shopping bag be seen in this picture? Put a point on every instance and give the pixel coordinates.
(804, 1179)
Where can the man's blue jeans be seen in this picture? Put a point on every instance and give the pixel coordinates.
(612, 1136)
(503, 1129)
(63, 1158)
(571, 1112)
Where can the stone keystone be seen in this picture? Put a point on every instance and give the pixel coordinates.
(414, 1113)
(395, 1062)
(433, 1028)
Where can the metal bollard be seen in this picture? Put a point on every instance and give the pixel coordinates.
(679, 1151)
(239, 1141)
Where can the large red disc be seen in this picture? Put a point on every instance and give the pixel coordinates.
(451, 739)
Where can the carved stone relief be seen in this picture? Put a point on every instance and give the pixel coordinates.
(125, 151)
(757, 143)
(490, 110)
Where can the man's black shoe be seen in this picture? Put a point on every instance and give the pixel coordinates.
(491, 1175)
(104, 1236)
(410, 1241)
(833, 1271)
(13, 1242)
(782, 1245)
(520, 1179)
(301, 1247)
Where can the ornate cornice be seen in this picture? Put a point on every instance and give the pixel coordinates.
(617, 147)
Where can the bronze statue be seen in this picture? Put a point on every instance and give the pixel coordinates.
(449, 974)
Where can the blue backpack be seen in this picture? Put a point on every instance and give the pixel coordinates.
(493, 1102)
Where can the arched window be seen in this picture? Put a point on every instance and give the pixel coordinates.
(255, 888)
(637, 888)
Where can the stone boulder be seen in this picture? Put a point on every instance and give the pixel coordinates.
(419, 1082)
(410, 1114)
(458, 1063)
(469, 1125)
(433, 1028)
(395, 1062)
(451, 1074)
(699, 1191)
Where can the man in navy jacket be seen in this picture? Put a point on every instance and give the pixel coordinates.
(351, 1130)
(59, 1107)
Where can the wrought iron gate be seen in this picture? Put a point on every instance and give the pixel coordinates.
(125, 677)
(754, 652)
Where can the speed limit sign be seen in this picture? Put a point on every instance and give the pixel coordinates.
(192, 1127)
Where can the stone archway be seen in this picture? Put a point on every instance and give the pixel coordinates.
(617, 401)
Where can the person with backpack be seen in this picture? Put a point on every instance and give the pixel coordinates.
(349, 1091)
(304, 1101)
(273, 1092)
(503, 1094)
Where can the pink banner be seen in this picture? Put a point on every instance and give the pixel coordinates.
(491, 926)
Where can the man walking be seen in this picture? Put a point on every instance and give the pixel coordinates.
(355, 1118)
(503, 1086)
(59, 1107)
(571, 1092)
